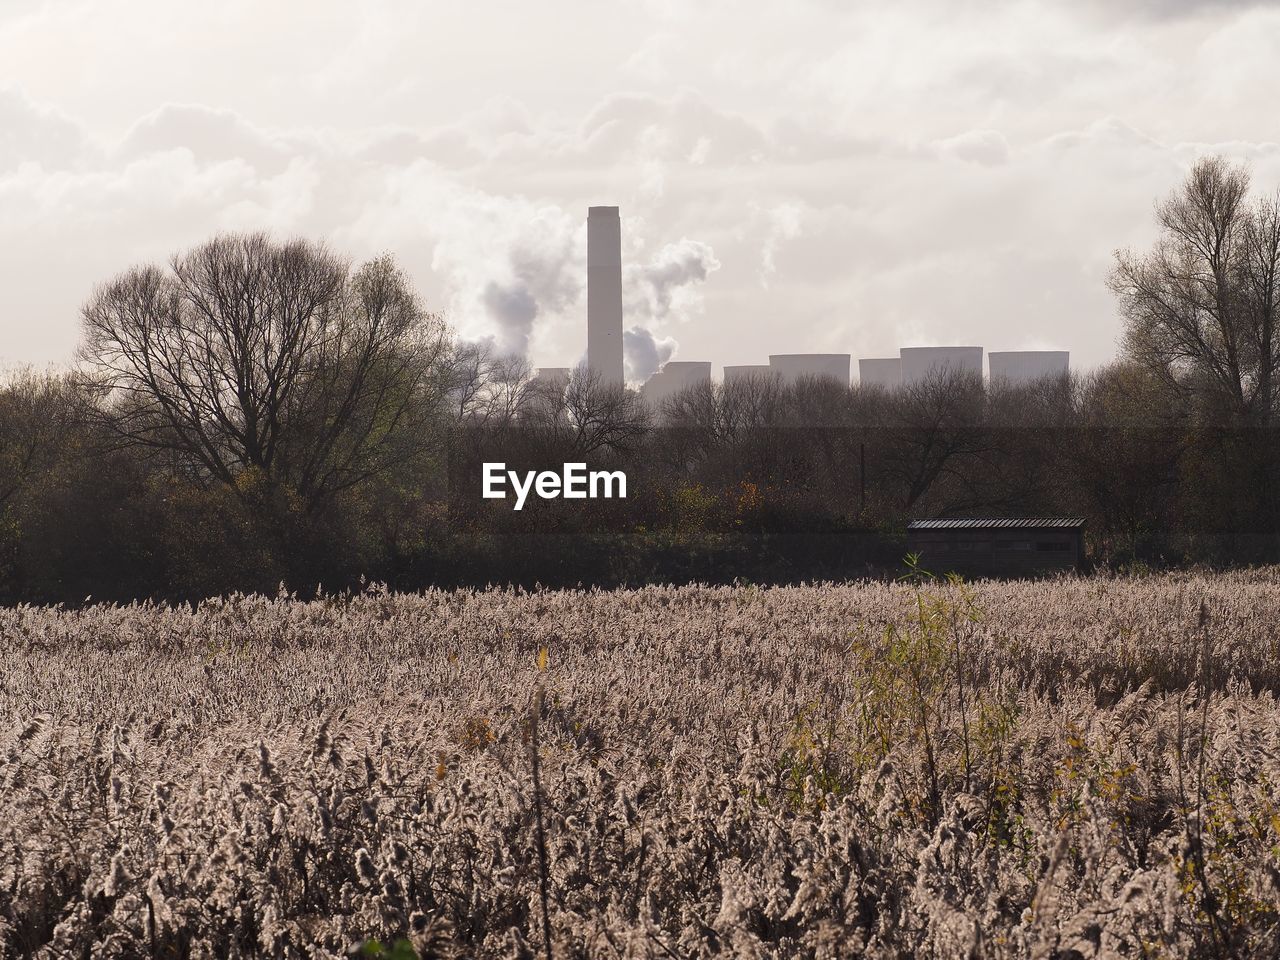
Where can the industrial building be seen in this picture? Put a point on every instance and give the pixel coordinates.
(912, 365)
(675, 375)
(550, 375)
(825, 366)
(1002, 546)
(880, 372)
(923, 363)
(604, 295)
(1026, 366)
(748, 371)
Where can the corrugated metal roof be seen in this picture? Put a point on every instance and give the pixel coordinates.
(999, 523)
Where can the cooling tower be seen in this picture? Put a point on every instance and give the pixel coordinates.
(747, 371)
(919, 363)
(1026, 366)
(604, 295)
(548, 375)
(676, 375)
(880, 372)
(829, 366)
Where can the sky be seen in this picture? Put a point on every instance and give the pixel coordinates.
(814, 176)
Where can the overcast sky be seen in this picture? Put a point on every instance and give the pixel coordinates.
(813, 176)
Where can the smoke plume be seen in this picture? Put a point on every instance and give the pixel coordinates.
(643, 354)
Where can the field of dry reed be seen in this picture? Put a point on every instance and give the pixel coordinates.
(1081, 768)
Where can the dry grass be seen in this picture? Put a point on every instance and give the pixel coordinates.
(1073, 769)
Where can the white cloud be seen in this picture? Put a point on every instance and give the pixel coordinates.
(986, 147)
(819, 176)
(667, 286)
(210, 135)
(30, 134)
(783, 224)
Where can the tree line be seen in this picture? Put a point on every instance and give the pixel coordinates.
(256, 413)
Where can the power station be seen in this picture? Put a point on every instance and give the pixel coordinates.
(675, 376)
(824, 366)
(923, 363)
(913, 365)
(604, 295)
(748, 371)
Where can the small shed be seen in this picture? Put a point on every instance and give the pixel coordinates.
(998, 546)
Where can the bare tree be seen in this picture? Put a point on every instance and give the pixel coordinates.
(749, 404)
(601, 416)
(692, 425)
(817, 402)
(1200, 307)
(937, 428)
(542, 399)
(1126, 455)
(36, 414)
(468, 377)
(487, 389)
(256, 360)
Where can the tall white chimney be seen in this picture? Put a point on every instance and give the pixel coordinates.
(604, 294)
